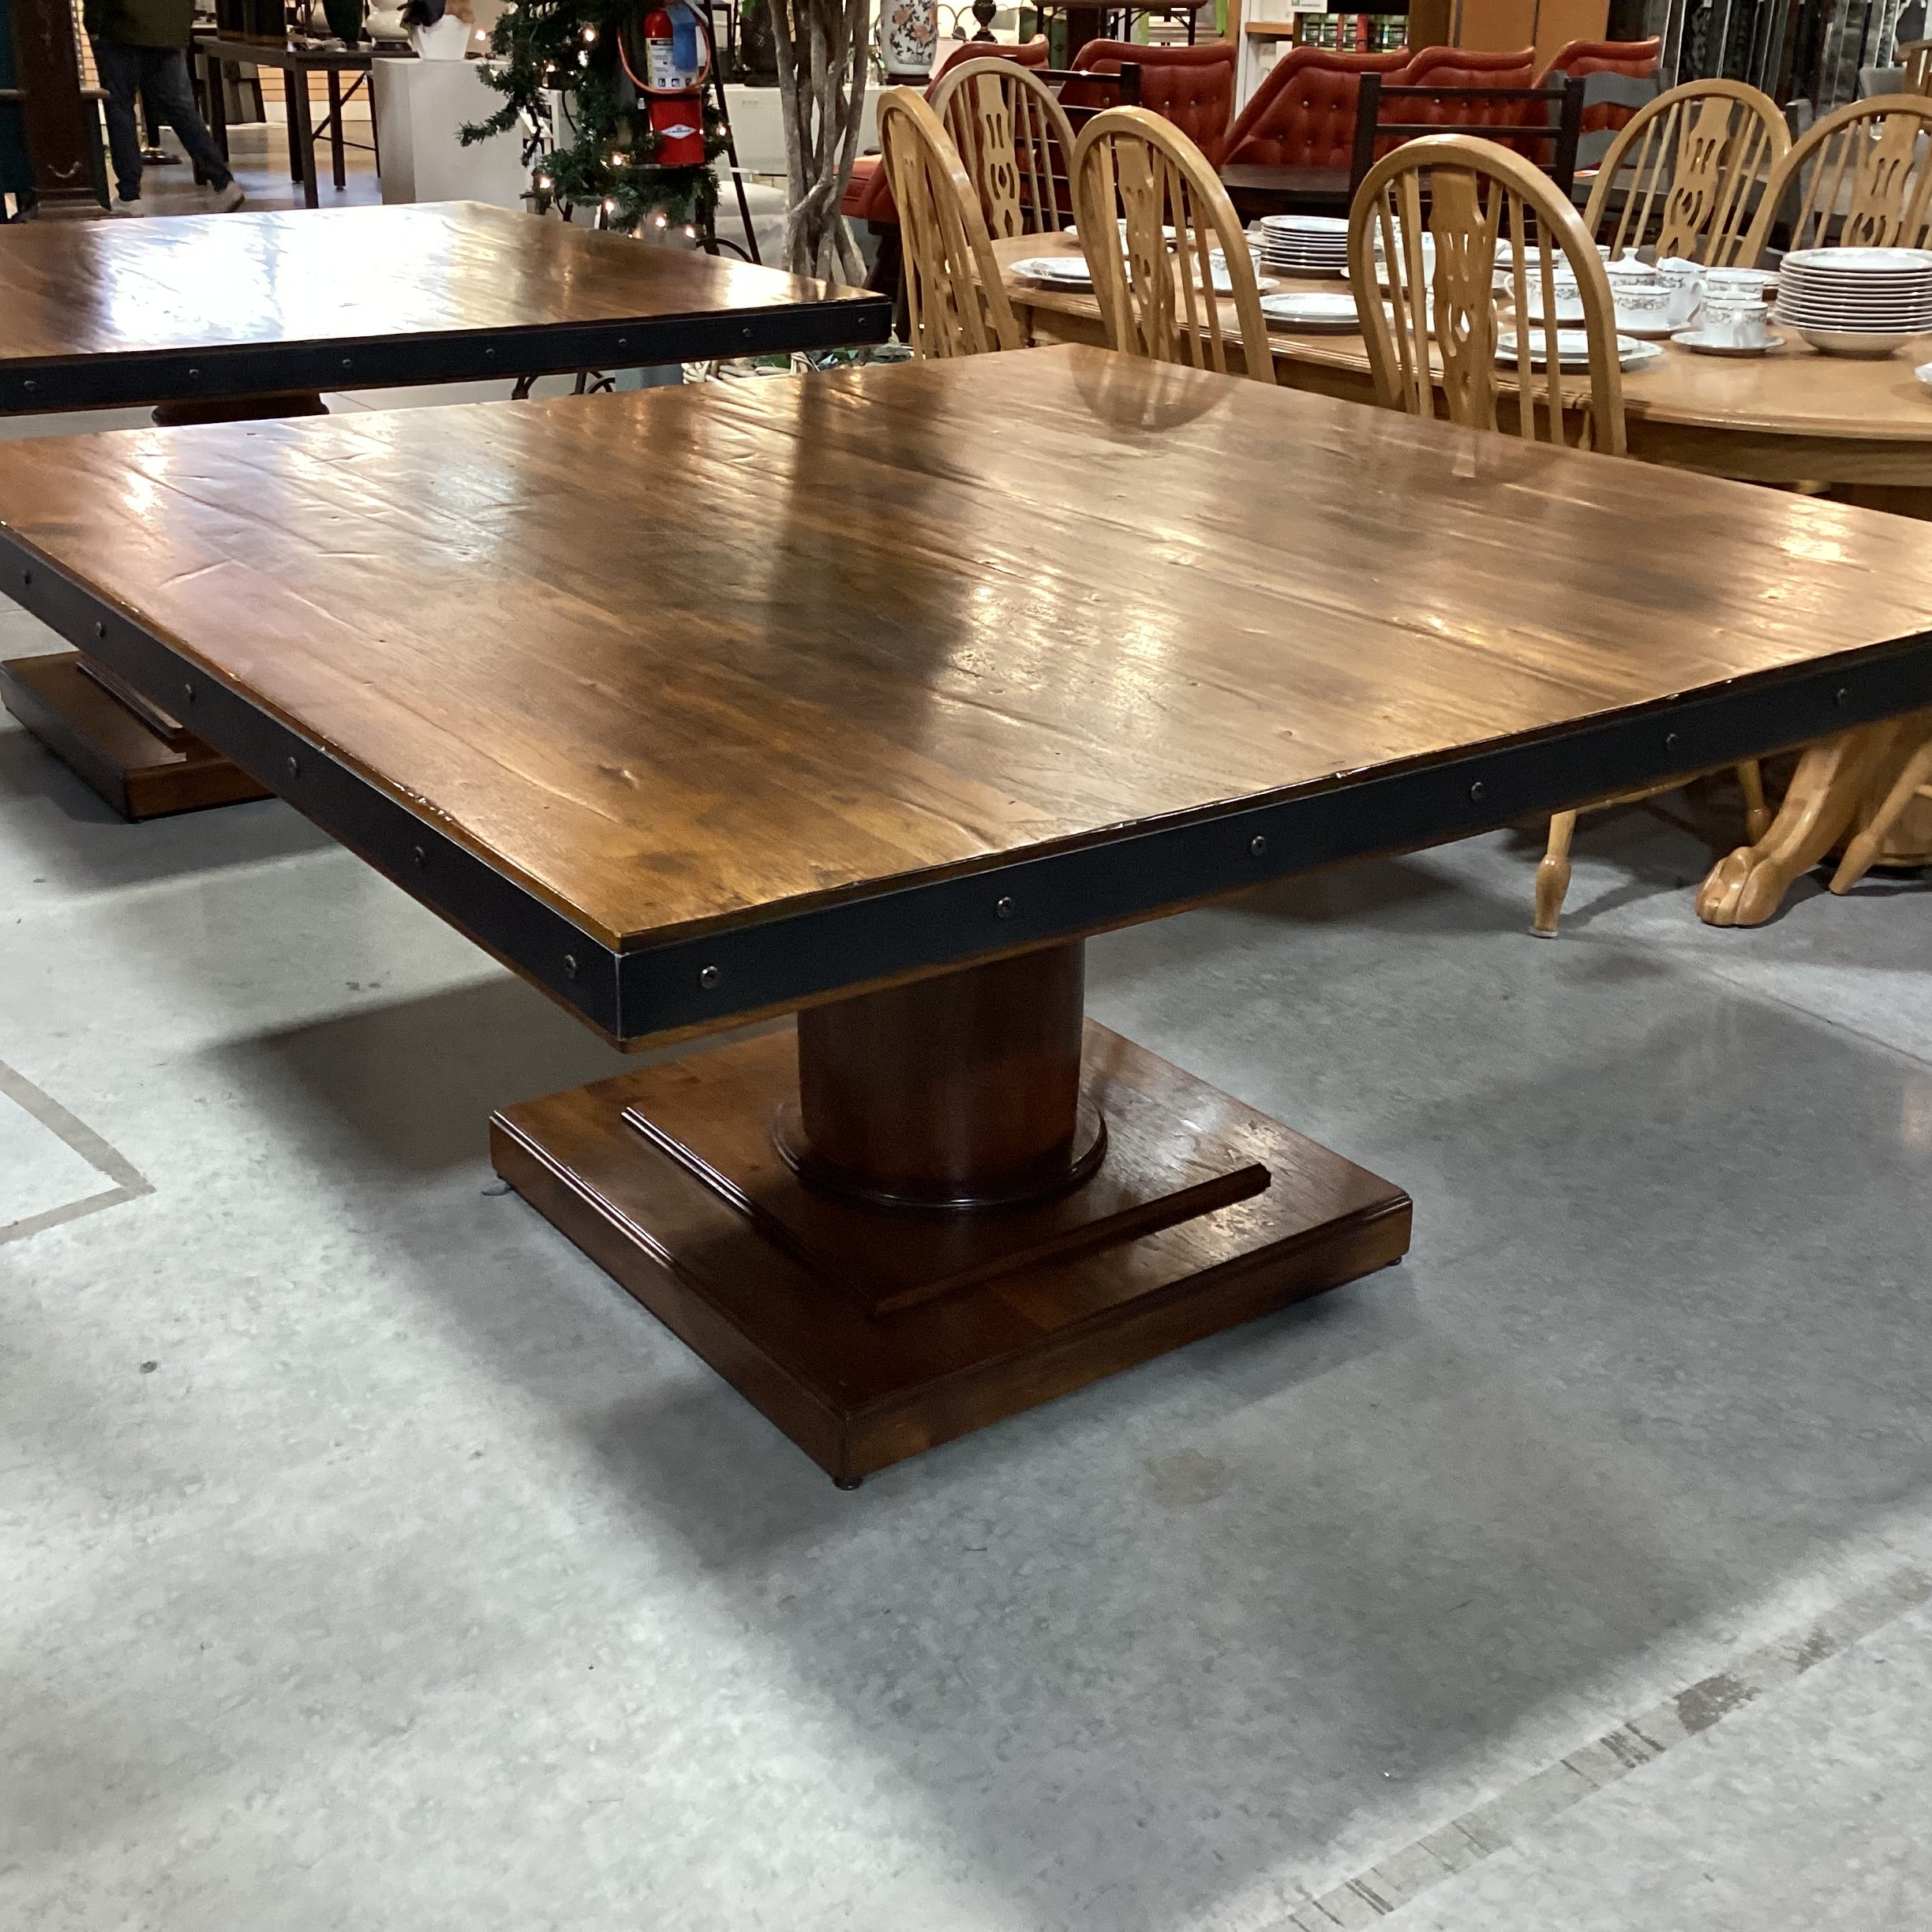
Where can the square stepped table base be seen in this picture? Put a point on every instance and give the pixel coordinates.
(796, 1297)
(143, 768)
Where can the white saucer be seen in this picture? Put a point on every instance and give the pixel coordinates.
(1696, 342)
(1573, 351)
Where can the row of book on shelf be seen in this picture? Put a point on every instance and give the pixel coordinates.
(1361, 33)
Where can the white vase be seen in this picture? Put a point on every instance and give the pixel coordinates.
(447, 39)
(908, 37)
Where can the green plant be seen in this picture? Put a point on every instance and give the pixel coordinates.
(587, 137)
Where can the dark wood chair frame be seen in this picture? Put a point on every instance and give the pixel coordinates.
(1564, 127)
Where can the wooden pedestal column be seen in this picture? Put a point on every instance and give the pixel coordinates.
(931, 1207)
(961, 1092)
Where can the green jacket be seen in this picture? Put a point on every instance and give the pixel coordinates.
(141, 23)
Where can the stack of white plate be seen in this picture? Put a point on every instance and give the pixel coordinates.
(1303, 244)
(1856, 300)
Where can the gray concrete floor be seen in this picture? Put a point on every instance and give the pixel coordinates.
(371, 1561)
(258, 152)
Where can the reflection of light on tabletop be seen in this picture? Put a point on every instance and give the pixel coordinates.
(141, 495)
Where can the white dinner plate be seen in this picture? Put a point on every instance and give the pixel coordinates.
(1067, 271)
(1858, 298)
(1858, 261)
(1822, 278)
(1912, 322)
(1832, 299)
(1857, 282)
(1532, 262)
(1888, 311)
(1304, 224)
(1317, 314)
(1073, 228)
(1888, 305)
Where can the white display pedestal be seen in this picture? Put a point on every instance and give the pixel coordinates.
(420, 106)
(758, 124)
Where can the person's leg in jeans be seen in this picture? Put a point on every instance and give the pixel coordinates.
(170, 94)
(121, 75)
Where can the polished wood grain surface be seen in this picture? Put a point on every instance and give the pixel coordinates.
(1793, 391)
(1793, 417)
(342, 275)
(709, 657)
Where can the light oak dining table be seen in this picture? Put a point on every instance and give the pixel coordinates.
(1792, 417)
(869, 696)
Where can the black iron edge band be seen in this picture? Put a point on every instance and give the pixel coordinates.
(787, 959)
(494, 910)
(1061, 896)
(246, 369)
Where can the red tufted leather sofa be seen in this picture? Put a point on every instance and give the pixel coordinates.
(1193, 86)
(1449, 66)
(868, 197)
(1303, 113)
(1637, 59)
(1468, 67)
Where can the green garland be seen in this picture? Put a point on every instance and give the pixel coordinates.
(604, 157)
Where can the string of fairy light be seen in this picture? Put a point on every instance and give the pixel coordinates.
(587, 138)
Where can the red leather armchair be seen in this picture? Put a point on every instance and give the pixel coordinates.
(868, 197)
(1303, 113)
(1636, 58)
(1193, 86)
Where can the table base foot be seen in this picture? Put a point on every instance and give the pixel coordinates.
(281, 402)
(1748, 885)
(140, 773)
(1021, 1309)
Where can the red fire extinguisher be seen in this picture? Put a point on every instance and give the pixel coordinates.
(677, 58)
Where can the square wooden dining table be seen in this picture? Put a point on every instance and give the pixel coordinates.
(869, 698)
(253, 315)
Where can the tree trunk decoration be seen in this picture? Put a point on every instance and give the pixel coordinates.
(824, 50)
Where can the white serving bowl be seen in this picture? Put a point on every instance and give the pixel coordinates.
(1853, 342)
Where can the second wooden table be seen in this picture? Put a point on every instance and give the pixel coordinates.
(250, 315)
